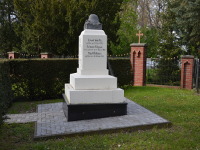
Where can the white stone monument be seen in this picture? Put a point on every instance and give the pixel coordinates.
(91, 85)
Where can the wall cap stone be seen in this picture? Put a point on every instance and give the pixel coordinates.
(45, 53)
(13, 52)
(187, 56)
(138, 45)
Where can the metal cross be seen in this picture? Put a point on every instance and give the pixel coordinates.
(139, 34)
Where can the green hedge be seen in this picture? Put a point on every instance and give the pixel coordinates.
(40, 78)
(6, 95)
(37, 79)
(122, 70)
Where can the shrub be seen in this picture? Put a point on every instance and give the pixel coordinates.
(122, 70)
(37, 79)
(6, 95)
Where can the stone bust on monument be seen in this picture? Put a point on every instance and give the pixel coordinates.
(93, 23)
(92, 92)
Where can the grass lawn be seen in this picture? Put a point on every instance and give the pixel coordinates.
(181, 107)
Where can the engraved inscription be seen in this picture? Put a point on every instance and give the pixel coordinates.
(94, 48)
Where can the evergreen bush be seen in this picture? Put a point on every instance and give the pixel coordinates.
(37, 79)
(6, 95)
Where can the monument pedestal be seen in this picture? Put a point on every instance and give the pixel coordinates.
(92, 93)
(74, 112)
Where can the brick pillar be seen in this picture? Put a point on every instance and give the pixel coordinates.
(45, 55)
(138, 63)
(187, 63)
(13, 55)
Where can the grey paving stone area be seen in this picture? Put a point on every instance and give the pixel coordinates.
(45, 113)
(51, 121)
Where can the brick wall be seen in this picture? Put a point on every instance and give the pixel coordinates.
(45, 55)
(187, 63)
(13, 55)
(138, 64)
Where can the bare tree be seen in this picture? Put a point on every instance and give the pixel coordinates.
(149, 12)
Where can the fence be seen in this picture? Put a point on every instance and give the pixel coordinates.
(29, 56)
(3, 56)
(163, 71)
(196, 75)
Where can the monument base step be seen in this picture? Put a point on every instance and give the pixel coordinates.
(93, 96)
(94, 82)
(74, 112)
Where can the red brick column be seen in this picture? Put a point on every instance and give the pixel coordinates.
(46, 55)
(13, 55)
(138, 63)
(187, 63)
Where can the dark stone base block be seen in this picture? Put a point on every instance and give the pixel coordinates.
(74, 112)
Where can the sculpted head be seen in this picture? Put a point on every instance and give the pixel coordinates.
(94, 19)
(93, 23)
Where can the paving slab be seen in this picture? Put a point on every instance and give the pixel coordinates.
(51, 121)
